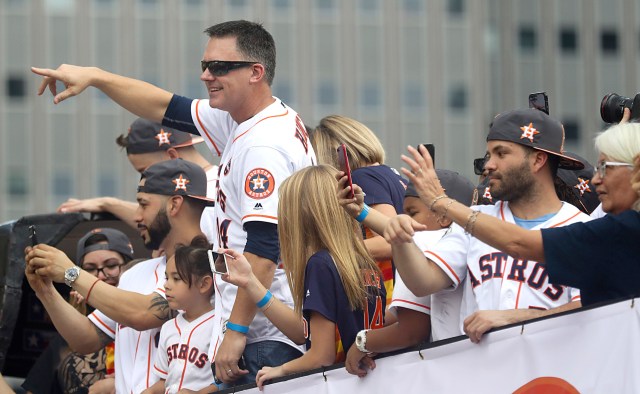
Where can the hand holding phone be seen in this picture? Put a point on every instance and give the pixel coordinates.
(33, 235)
(343, 162)
(218, 263)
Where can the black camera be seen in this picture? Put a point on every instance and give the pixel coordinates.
(613, 105)
(478, 165)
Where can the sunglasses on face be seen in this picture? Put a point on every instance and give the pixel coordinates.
(601, 168)
(219, 68)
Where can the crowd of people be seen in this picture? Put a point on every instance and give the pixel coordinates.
(322, 267)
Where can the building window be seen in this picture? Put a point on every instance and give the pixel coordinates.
(412, 6)
(458, 98)
(609, 41)
(527, 38)
(16, 87)
(571, 130)
(282, 4)
(324, 4)
(17, 185)
(326, 94)
(568, 40)
(455, 7)
(370, 96)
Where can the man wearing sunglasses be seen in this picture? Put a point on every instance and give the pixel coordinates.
(261, 142)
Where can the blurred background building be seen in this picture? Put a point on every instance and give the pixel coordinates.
(415, 71)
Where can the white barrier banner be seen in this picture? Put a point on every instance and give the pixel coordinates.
(591, 351)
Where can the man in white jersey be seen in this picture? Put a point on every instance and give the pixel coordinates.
(147, 143)
(171, 197)
(261, 140)
(524, 150)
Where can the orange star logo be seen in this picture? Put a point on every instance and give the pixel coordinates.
(583, 186)
(163, 137)
(181, 183)
(528, 132)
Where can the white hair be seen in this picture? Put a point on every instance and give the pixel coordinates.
(620, 142)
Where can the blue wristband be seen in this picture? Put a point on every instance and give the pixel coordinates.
(237, 328)
(267, 297)
(363, 214)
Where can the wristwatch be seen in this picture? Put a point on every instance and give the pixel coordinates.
(71, 275)
(361, 341)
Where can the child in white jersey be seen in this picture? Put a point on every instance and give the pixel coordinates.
(182, 361)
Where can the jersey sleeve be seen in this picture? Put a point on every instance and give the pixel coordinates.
(161, 363)
(404, 298)
(260, 182)
(214, 125)
(450, 254)
(104, 323)
(319, 289)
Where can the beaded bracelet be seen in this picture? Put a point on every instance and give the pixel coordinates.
(435, 200)
(471, 222)
(446, 209)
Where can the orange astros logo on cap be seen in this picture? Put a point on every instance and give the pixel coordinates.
(163, 137)
(529, 132)
(181, 183)
(259, 183)
(583, 186)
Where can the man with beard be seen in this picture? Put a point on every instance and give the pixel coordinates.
(171, 197)
(524, 151)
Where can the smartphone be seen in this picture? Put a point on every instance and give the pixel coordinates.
(32, 235)
(432, 152)
(218, 262)
(540, 101)
(343, 163)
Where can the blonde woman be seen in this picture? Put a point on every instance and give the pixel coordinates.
(383, 186)
(337, 287)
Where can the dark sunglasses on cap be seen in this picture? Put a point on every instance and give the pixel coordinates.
(219, 68)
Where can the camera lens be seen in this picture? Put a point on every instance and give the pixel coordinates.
(612, 107)
(478, 165)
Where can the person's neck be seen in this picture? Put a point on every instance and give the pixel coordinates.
(179, 236)
(532, 208)
(254, 104)
(197, 307)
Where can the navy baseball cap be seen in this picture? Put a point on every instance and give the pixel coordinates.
(175, 177)
(455, 186)
(112, 239)
(145, 136)
(579, 182)
(533, 128)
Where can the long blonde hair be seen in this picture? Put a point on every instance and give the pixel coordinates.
(311, 219)
(363, 147)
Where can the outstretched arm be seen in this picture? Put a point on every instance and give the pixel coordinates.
(509, 238)
(139, 311)
(123, 210)
(482, 321)
(79, 332)
(139, 97)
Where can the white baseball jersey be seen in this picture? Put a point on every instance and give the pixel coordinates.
(182, 358)
(496, 280)
(444, 306)
(257, 156)
(135, 350)
(207, 220)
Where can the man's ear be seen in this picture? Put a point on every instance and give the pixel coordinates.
(173, 153)
(540, 159)
(174, 203)
(258, 73)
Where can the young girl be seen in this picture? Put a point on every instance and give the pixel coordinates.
(337, 287)
(182, 361)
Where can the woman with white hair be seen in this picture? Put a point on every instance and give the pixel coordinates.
(599, 257)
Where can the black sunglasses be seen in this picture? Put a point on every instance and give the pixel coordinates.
(219, 68)
(478, 165)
